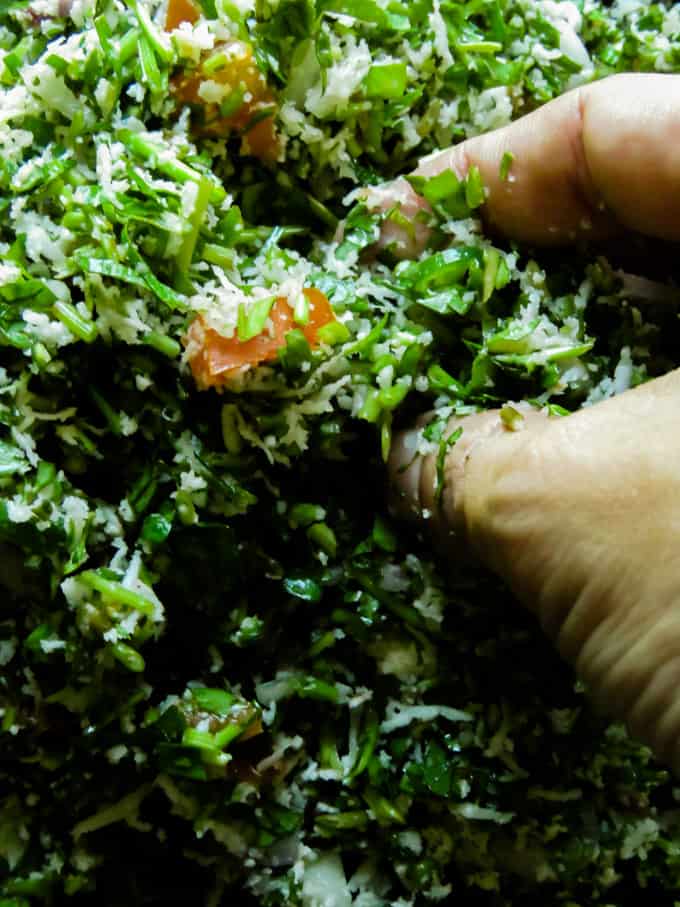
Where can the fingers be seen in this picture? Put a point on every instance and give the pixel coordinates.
(630, 139)
(579, 516)
(404, 242)
(446, 503)
(548, 196)
(597, 160)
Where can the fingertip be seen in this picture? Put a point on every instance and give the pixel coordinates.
(399, 194)
(413, 495)
(404, 468)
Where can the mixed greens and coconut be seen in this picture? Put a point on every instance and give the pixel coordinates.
(227, 675)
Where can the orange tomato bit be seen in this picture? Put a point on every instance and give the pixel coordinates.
(232, 65)
(253, 730)
(180, 11)
(215, 359)
(320, 313)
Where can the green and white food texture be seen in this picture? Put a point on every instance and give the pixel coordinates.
(222, 666)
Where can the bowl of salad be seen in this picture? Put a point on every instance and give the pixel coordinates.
(227, 675)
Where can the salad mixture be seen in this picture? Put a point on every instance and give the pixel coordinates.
(227, 676)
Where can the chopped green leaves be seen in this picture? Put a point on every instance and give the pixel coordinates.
(360, 230)
(172, 167)
(386, 81)
(436, 281)
(197, 216)
(437, 770)
(252, 317)
(41, 172)
(219, 702)
(383, 535)
(301, 309)
(158, 42)
(128, 657)
(511, 417)
(506, 164)
(333, 333)
(116, 591)
(304, 588)
(474, 188)
(215, 643)
(450, 196)
(12, 459)
(79, 325)
(437, 432)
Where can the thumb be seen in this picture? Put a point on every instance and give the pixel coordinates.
(446, 494)
(578, 514)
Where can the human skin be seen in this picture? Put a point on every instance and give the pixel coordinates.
(580, 514)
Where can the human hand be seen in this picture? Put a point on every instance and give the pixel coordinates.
(589, 165)
(578, 514)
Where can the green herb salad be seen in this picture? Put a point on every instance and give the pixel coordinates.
(227, 676)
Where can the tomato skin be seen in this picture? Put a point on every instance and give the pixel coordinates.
(180, 11)
(215, 359)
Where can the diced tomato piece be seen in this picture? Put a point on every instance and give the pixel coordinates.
(320, 313)
(262, 141)
(238, 87)
(253, 730)
(221, 356)
(215, 359)
(180, 11)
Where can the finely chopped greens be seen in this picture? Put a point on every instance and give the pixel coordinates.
(225, 672)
